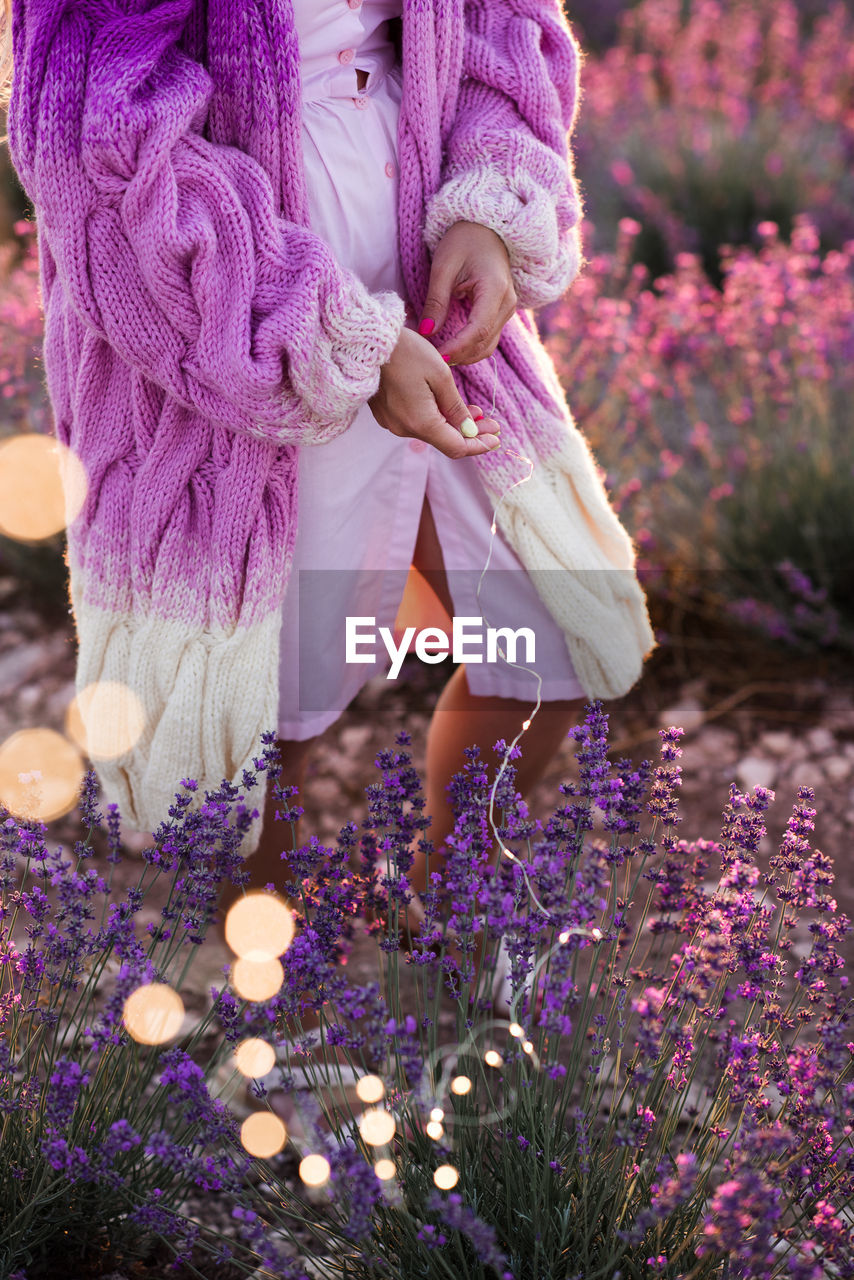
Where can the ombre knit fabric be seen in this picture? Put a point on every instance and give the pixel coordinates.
(196, 331)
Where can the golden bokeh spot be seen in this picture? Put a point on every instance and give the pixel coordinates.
(385, 1169)
(153, 1013)
(254, 1057)
(263, 1134)
(528, 1046)
(314, 1170)
(36, 473)
(435, 1130)
(437, 1114)
(377, 1127)
(105, 719)
(516, 1030)
(40, 774)
(461, 1084)
(257, 979)
(259, 927)
(370, 1089)
(492, 1058)
(446, 1177)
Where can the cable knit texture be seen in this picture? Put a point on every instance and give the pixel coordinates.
(508, 164)
(197, 331)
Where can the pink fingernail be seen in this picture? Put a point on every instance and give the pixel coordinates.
(426, 327)
(445, 358)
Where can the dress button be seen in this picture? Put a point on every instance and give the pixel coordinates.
(355, 4)
(417, 446)
(390, 169)
(346, 55)
(361, 103)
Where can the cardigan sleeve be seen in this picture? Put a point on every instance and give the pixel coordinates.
(507, 160)
(169, 245)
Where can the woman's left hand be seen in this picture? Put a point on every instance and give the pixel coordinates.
(470, 261)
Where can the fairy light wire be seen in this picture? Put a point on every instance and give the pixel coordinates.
(526, 724)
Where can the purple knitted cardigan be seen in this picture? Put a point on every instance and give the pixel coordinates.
(197, 331)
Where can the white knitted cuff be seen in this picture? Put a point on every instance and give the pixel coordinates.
(543, 263)
(349, 346)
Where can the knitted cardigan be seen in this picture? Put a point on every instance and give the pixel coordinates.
(197, 332)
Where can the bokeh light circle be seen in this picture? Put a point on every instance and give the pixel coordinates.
(493, 1058)
(105, 719)
(254, 1057)
(370, 1089)
(257, 979)
(153, 1013)
(42, 486)
(46, 753)
(446, 1177)
(263, 1134)
(461, 1085)
(314, 1170)
(385, 1169)
(377, 1127)
(435, 1130)
(259, 927)
(437, 1114)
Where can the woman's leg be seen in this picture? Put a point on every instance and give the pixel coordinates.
(462, 719)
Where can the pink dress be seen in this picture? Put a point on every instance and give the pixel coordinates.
(360, 496)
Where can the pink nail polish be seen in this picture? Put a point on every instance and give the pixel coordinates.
(426, 327)
(445, 358)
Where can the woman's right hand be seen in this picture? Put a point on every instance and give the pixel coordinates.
(417, 397)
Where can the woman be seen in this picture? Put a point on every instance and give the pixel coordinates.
(238, 300)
